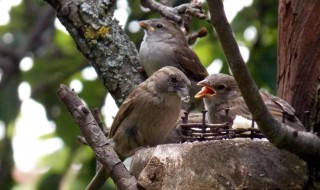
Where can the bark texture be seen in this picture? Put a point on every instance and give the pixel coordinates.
(95, 138)
(298, 54)
(227, 164)
(101, 40)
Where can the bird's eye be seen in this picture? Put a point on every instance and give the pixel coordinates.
(159, 25)
(221, 87)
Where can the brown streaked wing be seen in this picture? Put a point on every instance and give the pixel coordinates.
(190, 63)
(277, 106)
(124, 110)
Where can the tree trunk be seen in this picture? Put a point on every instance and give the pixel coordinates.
(299, 65)
(298, 55)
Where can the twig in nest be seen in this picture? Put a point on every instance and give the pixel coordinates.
(205, 131)
(218, 132)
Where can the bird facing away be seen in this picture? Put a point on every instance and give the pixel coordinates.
(165, 44)
(220, 92)
(149, 112)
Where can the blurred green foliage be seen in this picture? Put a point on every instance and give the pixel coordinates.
(57, 60)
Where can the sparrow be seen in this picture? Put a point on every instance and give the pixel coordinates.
(220, 92)
(164, 44)
(149, 112)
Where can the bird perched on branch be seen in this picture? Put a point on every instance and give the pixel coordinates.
(165, 44)
(149, 112)
(220, 92)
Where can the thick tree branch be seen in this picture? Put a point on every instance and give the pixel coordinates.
(96, 139)
(303, 144)
(102, 41)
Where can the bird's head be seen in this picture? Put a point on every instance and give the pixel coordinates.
(172, 81)
(160, 29)
(218, 86)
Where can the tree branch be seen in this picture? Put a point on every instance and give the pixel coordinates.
(189, 11)
(195, 35)
(102, 41)
(96, 139)
(10, 58)
(303, 144)
(35, 37)
(172, 13)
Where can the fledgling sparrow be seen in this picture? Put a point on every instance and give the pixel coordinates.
(220, 92)
(149, 112)
(165, 44)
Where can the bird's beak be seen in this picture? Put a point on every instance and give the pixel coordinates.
(145, 25)
(205, 91)
(184, 94)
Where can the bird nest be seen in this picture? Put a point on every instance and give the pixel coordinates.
(205, 131)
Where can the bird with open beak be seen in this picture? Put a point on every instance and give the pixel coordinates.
(165, 44)
(220, 92)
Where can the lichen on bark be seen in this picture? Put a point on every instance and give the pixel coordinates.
(100, 38)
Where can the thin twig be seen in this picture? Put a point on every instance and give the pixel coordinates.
(96, 139)
(172, 13)
(195, 35)
(97, 117)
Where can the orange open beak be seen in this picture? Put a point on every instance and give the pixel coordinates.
(205, 91)
(145, 25)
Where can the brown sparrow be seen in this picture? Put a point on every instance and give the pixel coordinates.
(165, 44)
(149, 112)
(220, 92)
